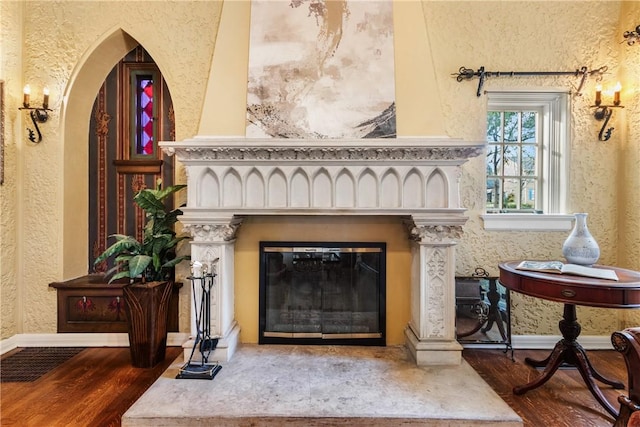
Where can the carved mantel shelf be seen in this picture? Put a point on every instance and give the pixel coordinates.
(404, 176)
(425, 150)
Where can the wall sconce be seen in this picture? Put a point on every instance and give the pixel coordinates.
(38, 114)
(632, 36)
(604, 112)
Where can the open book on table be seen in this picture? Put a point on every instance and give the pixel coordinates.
(559, 267)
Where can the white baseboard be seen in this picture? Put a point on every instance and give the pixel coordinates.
(80, 340)
(547, 342)
(532, 342)
(544, 342)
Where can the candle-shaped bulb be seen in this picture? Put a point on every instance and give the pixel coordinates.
(616, 94)
(196, 269)
(45, 98)
(598, 94)
(27, 94)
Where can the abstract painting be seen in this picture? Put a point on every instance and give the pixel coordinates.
(321, 69)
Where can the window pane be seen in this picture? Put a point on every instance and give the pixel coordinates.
(527, 198)
(493, 193)
(529, 126)
(529, 159)
(511, 126)
(510, 193)
(511, 160)
(494, 126)
(494, 159)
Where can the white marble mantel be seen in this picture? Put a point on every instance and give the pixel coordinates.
(416, 178)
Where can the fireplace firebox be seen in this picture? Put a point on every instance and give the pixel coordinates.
(322, 293)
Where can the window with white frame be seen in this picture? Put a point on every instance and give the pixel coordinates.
(527, 160)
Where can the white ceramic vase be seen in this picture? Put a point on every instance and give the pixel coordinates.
(580, 247)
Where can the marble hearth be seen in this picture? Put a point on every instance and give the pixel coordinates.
(416, 179)
(328, 386)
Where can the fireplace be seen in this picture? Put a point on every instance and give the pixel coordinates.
(414, 179)
(322, 293)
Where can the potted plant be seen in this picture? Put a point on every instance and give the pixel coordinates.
(149, 266)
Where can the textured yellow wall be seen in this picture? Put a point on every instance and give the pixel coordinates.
(629, 154)
(48, 195)
(10, 72)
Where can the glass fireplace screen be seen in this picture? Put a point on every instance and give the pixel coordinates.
(322, 293)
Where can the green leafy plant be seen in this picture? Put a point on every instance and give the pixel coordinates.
(155, 257)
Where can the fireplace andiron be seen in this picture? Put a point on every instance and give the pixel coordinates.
(204, 343)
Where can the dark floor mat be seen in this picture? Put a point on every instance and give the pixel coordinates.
(31, 363)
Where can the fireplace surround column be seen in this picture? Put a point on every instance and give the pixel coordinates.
(214, 244)
(430, 335)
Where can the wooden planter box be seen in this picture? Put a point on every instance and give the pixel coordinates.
(90, 304)
(147, 305)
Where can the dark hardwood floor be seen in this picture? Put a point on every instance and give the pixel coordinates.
(94, 388)
(98, 385)
(564, 401)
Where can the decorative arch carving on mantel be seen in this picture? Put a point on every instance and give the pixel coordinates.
(421, 165)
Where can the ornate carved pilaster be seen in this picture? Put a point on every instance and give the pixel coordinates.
(213, 245)
(431, 331)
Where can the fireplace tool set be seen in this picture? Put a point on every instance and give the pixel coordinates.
(201, 280)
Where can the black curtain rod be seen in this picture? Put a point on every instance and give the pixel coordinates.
(528, 91)
(468, 74)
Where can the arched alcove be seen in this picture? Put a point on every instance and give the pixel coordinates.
(367, 194)
(87, 78)
(346, 197)
(412, 180)
(232, 189)
(390, 189)
(254, 189)
(437, 190)
(208, 192)
(300, 189)
(322, 189)
(75, 115)
(277, 189)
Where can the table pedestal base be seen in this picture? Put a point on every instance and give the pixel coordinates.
(569, 351)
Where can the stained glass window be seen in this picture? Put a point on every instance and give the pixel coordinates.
(143, 124)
